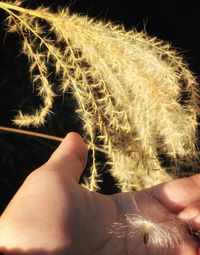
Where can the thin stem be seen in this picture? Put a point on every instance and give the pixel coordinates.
(41, 135)
(7, 6)
(26, 132)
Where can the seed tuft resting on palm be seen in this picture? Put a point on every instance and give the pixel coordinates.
(136, 97)
(157, 236)
(150, 225)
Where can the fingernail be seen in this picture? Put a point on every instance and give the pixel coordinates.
(189, 214)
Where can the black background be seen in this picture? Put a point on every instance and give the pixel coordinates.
(173, 21)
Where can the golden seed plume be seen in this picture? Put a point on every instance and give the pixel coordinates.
(135, 95)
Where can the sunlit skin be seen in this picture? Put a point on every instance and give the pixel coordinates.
(52, 214)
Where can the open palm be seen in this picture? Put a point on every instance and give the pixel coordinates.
(52, 214)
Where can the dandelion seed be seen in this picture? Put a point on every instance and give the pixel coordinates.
(155, 236)
(155, 229)
(146, 238)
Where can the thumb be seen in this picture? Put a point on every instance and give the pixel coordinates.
(70, 156)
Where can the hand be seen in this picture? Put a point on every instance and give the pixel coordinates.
(52, 214)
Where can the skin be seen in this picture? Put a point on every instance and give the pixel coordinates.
(52, 214)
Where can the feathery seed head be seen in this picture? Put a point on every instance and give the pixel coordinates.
(134, 94)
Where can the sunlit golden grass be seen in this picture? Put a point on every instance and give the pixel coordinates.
(136, 97)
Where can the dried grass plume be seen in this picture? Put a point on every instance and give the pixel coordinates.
(136, 97)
